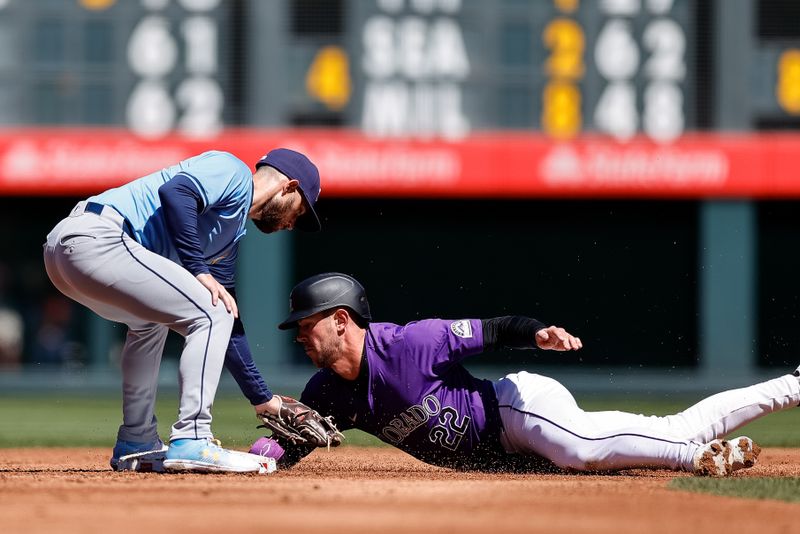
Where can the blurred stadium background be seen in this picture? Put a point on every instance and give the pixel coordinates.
(624, 168)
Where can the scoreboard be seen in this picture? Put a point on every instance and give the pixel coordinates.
(153, 66)
(619, 68)
(420, 68)
(444, 67)
(575, 97)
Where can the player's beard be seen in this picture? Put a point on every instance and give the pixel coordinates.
(330, 349)
(272, 216)
(329, 352)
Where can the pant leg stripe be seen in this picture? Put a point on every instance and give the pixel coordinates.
(624, 434)
(211, 327)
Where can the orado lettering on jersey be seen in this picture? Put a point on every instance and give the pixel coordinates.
(447, 433)
(411, 419)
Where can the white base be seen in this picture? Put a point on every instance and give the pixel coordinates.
(258, 464)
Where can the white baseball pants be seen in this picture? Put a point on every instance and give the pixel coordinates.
(540, 416)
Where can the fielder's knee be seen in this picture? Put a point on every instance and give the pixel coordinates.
(220, 317)
(214, 317)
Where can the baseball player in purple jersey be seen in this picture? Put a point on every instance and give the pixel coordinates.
(159, 254)
(406, 385)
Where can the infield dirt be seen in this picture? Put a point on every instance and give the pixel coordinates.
(369, 490)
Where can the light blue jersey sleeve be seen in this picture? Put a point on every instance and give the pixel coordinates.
(223, 180)
(225, 185)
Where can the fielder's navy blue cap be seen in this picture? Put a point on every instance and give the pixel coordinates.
(298, 167)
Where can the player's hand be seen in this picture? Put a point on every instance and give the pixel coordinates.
(218, 292)
(272, 406)
(556, 338)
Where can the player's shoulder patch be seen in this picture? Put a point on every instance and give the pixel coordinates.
(462, 328)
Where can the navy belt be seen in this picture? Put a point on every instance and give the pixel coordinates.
(97, 208)
(94, 207)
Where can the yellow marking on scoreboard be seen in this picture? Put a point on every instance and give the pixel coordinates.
(97, 5)
(328, 78)
(567, 6)
(561, 110)
(561, 99)
(788, 87)
(565, 38)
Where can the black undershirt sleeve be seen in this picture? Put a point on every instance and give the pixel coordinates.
(511, 331)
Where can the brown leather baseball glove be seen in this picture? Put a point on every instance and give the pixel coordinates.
(299, 424)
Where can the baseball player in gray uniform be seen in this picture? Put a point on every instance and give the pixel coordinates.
(159, 254)
(406, 385)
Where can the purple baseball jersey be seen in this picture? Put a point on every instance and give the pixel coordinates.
(415, 394)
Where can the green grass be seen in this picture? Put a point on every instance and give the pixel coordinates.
(35, 421)
(27, 421)
(774, 488)
(72, 421)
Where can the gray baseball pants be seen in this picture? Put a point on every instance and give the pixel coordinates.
(91, 259)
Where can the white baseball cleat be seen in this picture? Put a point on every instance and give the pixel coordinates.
(207, 456)
(713, 459)
(744, 453)
(720, 458)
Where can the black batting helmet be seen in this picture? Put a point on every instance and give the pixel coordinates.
(323, 292)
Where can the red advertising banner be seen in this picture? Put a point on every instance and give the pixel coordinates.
(82, 161)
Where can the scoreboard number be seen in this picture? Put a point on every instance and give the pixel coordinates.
(787, 88)
(196, 107)
(618, 59)
(561, 98)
